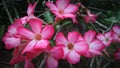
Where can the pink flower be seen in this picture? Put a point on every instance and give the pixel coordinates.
(53, 55)
(117, 54)
(30, 13)
(116, 33)
(63, 9)
(95, 46)
(38, 37)
(106, 38)
(90, 17)
(72, 47)
(11, 38)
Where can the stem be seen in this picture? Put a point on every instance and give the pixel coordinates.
(7, 11)
(92, 62)
(101, 25)
(94, 27)
(42, 65)
(71, 66)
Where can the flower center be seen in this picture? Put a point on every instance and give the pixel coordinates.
(107, 39)
(61, 11)
(70, 46)
(118, 36)
(38, 37)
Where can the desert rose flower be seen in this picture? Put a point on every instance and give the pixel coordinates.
(95, 46)
(73, 48)
(38, 37)
(63, 9)
(52, 56)
(106, 38)
(117, 54)
(30, 14)
(12, 38)
(89, 17)
(116, 33)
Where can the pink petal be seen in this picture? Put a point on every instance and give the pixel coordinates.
(93, 17)
(108, 34)
(52, 6)
(24, 19)
(95, 52)
(115, 37)
(66, 52)
(116, 29)
(11, 42)
(29, 46)
(12, 29)
(58, 14)
(31, 8)
(86, 18)
(62, 4)
(17, 59)
(47, 32)
(96, 45)
(25, 32)
(51, 62)
(42, 44)
(73, 37)
(28, 64)
(100, 37)
(71, 9)
(72, 16)
(36, 25)
(57, 52)
(81, 47)
(73, 57)
(90, 36)
(60, 39)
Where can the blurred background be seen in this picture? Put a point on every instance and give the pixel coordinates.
(108, 14)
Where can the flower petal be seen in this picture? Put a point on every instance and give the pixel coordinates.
(52, 6)
(73, 37)
(116, 29)
(101, 37)
(25, 32)
(29, 46)
(62, 4)
(81, 47)
(30, 10)
(47, 32)
(28, 64)
(11, 42)
(97, 45)
(60, 39)
(95, 52)
(57, 52)
(42, 44)
(51, 62)
(108, 34)
(66, 52)
(36, 25)
(72, 16)
(73, 57)
(71, 9)
(90, 36)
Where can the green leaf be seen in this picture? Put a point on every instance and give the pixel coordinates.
(48, 17)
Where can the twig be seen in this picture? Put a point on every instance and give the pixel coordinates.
(101, 25)
(94, 27)
(71, 66)
(42, 65)
(7, 11)
(92, 62)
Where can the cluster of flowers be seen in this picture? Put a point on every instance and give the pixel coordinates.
(30, 37)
